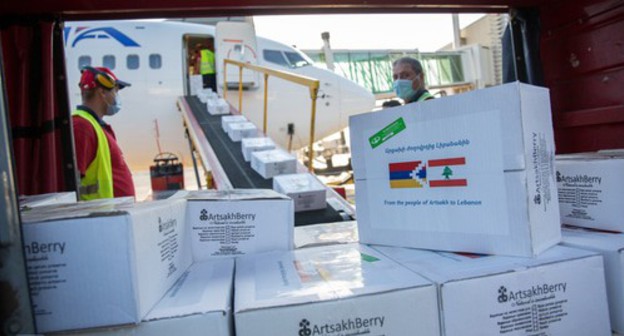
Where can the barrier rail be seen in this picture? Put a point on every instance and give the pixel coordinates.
(311, 83)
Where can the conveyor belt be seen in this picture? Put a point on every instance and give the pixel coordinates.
(240, 173)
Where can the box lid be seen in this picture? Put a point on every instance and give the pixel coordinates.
(252, 142)
(242, 126)
(292, 183)
(235, 195)
(96, 208)
(601, 241)
(205, 287)
(273, 155)
(442, 267)
(317, 274)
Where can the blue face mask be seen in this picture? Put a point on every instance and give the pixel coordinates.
(113, 108)
(403, 88)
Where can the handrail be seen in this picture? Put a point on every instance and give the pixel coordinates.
(311, 83)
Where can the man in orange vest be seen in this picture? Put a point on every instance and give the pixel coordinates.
(103, 170)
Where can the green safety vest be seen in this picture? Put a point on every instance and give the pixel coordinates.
(206, 67)
(98, 179)
(425, 96)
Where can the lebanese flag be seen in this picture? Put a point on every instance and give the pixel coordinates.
(442, 172)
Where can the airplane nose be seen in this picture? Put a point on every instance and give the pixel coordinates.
(355, 99)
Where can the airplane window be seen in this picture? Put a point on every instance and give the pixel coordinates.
(109, 61)
(296, 60)
(155, 61)
(84, 61)
(275, 56)
(132, 62)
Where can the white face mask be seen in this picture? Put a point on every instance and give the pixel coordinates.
(114, 108)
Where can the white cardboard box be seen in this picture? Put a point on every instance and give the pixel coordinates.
(331, 290)
(326, 234)
(591, 191)
(307, 192)
(240, 221)
(611, 246)
(225, 120)
(32, 201)
(560, 292)
(217, 106)
(92, 265)
(273, 162)
(199, 303)
(472, 172)
(197, 84)
(250, 145)
(239, 131)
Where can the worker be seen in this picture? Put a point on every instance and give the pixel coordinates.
(103, 170)
(409, 80)
(206, 65)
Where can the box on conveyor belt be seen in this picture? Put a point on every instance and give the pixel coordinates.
(234, 222)
(32, 201)
(473, 172)
(225, 120)
(591, 191)
(197, 84)
(199, 303)
(250, 145)
(240, 131)
(273, 162)
(331, 290)
(95, 264)
(217, 106)
(611, 246)
(307, 191)
(326, 234)
(560, 292)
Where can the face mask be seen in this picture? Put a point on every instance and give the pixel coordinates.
(113, 108)
(403, 88)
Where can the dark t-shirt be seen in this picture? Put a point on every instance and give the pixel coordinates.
(85, 140)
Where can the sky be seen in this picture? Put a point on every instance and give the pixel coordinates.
(425, 32)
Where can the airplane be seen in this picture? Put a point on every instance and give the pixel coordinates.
(153, 55)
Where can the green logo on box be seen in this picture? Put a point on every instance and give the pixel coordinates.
(368, 258)
(388, 132)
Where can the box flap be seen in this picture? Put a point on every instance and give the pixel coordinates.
(317, 274)
(234, 195)
(96, 208)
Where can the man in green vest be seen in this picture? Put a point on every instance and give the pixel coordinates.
(409, 80)
(103, 170)
(206, 65)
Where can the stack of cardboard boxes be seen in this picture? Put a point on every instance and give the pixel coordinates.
(457, 198)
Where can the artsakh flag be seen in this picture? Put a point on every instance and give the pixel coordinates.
(407, 174)
(446, 172)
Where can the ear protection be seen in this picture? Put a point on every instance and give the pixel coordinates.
(102, 78)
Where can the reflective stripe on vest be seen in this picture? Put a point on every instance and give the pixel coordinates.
(425, 96)
(206, 67)
(98, 179)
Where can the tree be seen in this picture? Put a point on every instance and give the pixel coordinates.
(447, 172)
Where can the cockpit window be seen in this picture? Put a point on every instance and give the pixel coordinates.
(275, 56)
(296, 60)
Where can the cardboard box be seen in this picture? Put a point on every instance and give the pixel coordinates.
(611, 246)
(32, 201)
(197, 84)
(560, 292)
(250, 145)
(91, 264)
(226, 120)
(240, 221)
(273, 162)
(591, 191)
(472, 172)
(199, 303)
(217, 105)
(326, 234)
(239, 131)
(307, 191)
(331, 290)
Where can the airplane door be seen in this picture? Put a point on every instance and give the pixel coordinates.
(236, 41)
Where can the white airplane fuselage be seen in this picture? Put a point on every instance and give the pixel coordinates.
(152, 56)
